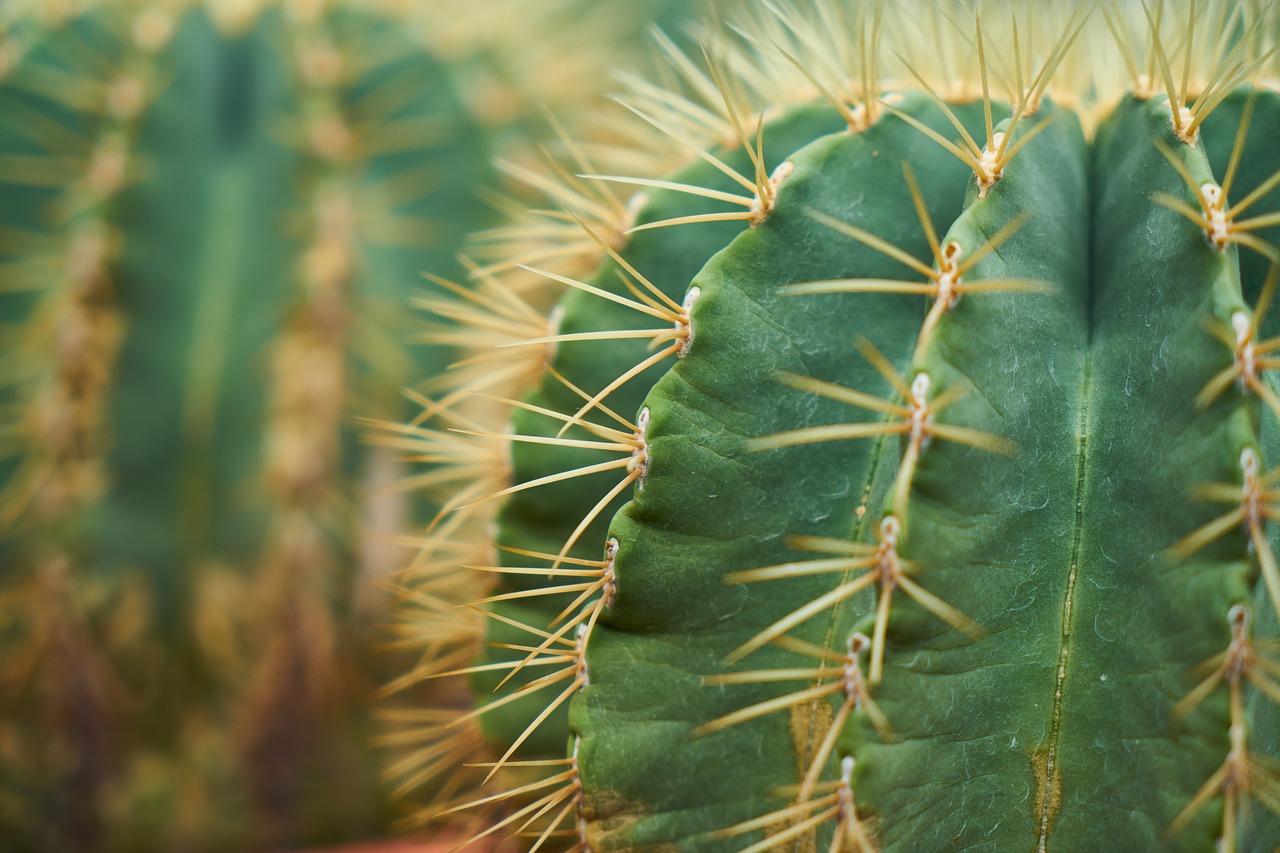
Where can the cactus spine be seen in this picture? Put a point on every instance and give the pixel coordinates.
(899, 482)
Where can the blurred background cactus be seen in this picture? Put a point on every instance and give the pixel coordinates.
(212, 221)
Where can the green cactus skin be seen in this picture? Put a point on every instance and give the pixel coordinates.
(902, 573)
(208, 236)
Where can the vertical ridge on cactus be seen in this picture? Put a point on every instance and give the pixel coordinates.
(989, 568)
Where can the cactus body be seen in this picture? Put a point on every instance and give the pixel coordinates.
(906, 543)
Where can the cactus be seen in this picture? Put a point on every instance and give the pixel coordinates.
(209, 226)
(900, 480)
(211, 220)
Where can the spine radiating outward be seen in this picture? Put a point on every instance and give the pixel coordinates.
(900, 479)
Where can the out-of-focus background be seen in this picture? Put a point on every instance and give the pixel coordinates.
(213, 222)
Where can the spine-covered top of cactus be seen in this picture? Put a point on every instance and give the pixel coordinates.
(900, 479)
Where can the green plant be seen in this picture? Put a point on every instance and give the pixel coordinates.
(899, 480)
(211, 219)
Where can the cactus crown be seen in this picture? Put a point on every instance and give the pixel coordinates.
(899, 479)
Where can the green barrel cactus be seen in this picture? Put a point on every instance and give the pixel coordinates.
(211, 219)
(902, 478)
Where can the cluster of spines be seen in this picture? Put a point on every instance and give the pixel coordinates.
(1244, 774)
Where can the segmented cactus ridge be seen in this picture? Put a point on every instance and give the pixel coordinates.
(822, 440)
